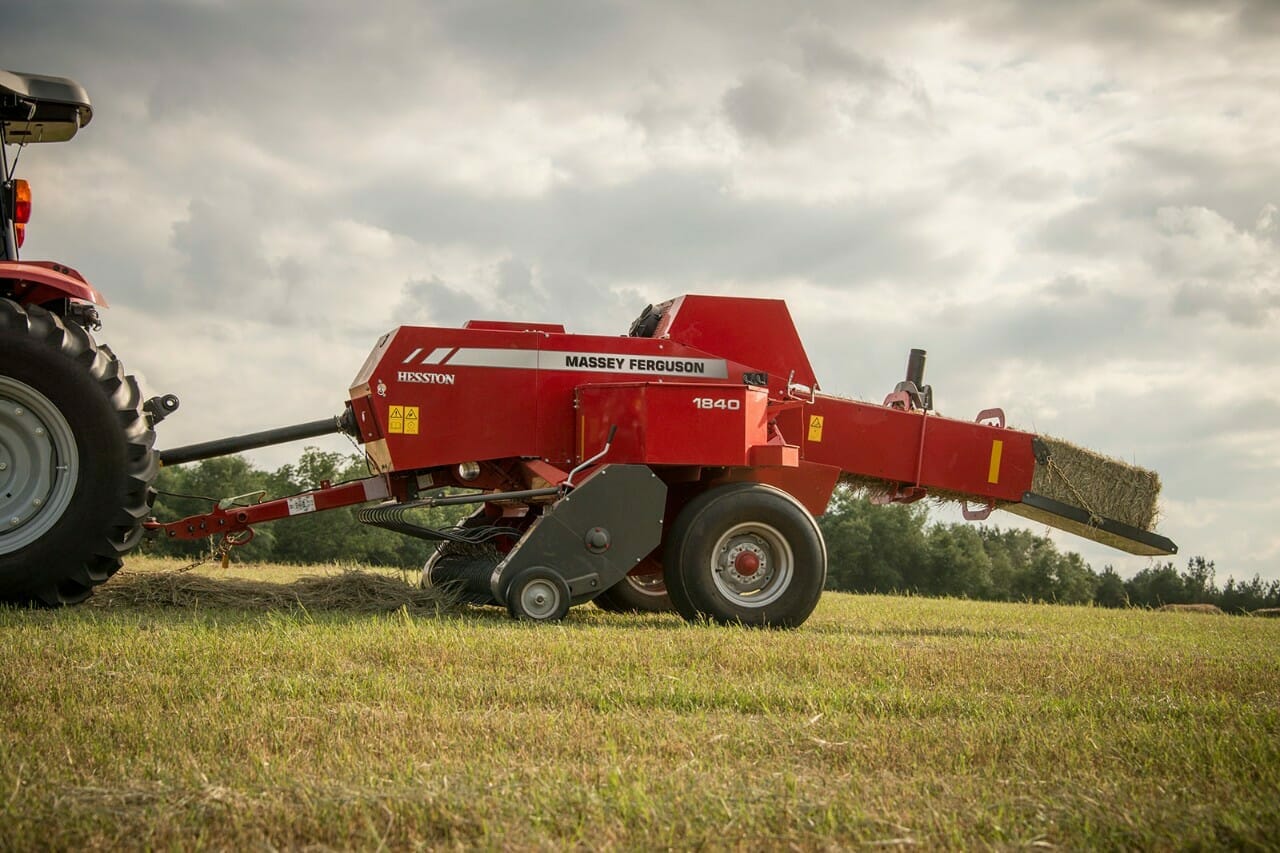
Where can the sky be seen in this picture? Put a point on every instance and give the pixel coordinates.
(1072, 206)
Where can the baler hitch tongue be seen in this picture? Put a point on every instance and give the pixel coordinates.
(1095, 497)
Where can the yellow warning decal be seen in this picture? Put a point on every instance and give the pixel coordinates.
(402, 420)
(997, 450)
(815, 427)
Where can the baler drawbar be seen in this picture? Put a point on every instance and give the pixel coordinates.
(679, 466)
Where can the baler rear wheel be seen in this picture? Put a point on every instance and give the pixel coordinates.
(76, 459)
(637, 593)
(747, 554)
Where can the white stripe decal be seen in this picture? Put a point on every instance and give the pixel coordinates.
(411, 356)
(437, 355)
(519, 358)
(585, 362)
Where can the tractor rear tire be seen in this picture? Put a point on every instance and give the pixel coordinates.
(745, 554)
(78, 459)
(636, 594)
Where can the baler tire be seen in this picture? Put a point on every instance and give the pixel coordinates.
(523, 591)
(732, 521)
(671, 574)
(645, 594)
(78, 441)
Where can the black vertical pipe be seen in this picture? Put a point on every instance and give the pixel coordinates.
(915, 367)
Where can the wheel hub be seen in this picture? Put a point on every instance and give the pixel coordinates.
(746, 564)
(752, 564)
(38, 464)
(539, 598)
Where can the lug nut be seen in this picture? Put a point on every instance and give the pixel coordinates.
(15, 521)
(4, 466)
(37, 502)
(18, 412)
(39, 431)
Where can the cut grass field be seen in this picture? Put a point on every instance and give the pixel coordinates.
(882, 721)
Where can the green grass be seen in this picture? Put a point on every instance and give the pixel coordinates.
(883, 720)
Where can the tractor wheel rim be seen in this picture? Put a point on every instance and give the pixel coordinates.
(539, 598)
(774, 564)
(39, 465)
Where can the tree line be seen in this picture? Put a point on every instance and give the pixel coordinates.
(872, 549)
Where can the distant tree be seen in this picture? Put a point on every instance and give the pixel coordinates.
(873, 548)
(1110, 591)
(1198, 585)
(1076, 582)
(1156, 586)
(1246, 596)
(957, 563)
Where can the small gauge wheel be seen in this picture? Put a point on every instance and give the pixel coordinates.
(538, 594)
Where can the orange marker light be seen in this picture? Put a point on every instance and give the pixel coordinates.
(21, 202)
(21, 210)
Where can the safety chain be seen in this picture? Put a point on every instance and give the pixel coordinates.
(1095, 519)
(220, 552)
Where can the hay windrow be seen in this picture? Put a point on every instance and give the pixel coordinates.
(349, 591)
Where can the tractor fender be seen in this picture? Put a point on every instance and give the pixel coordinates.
(41, 282)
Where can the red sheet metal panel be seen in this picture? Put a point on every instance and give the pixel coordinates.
(916, 448)
(567, 362)
(444, 396)
(672, 423)
(36, 282)
(758, 332)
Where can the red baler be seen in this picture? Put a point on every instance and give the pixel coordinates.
(683, 462)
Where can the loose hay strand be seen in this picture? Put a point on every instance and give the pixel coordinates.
(349, 591)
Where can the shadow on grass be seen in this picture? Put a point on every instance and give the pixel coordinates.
(908, 631)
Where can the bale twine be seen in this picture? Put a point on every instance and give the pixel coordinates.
(1102, 486)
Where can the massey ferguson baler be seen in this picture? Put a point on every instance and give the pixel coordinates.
(683, 462)
(678, 466)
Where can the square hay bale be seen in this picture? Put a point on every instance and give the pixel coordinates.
(1102, 486)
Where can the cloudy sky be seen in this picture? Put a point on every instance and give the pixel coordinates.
(1072, 206)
